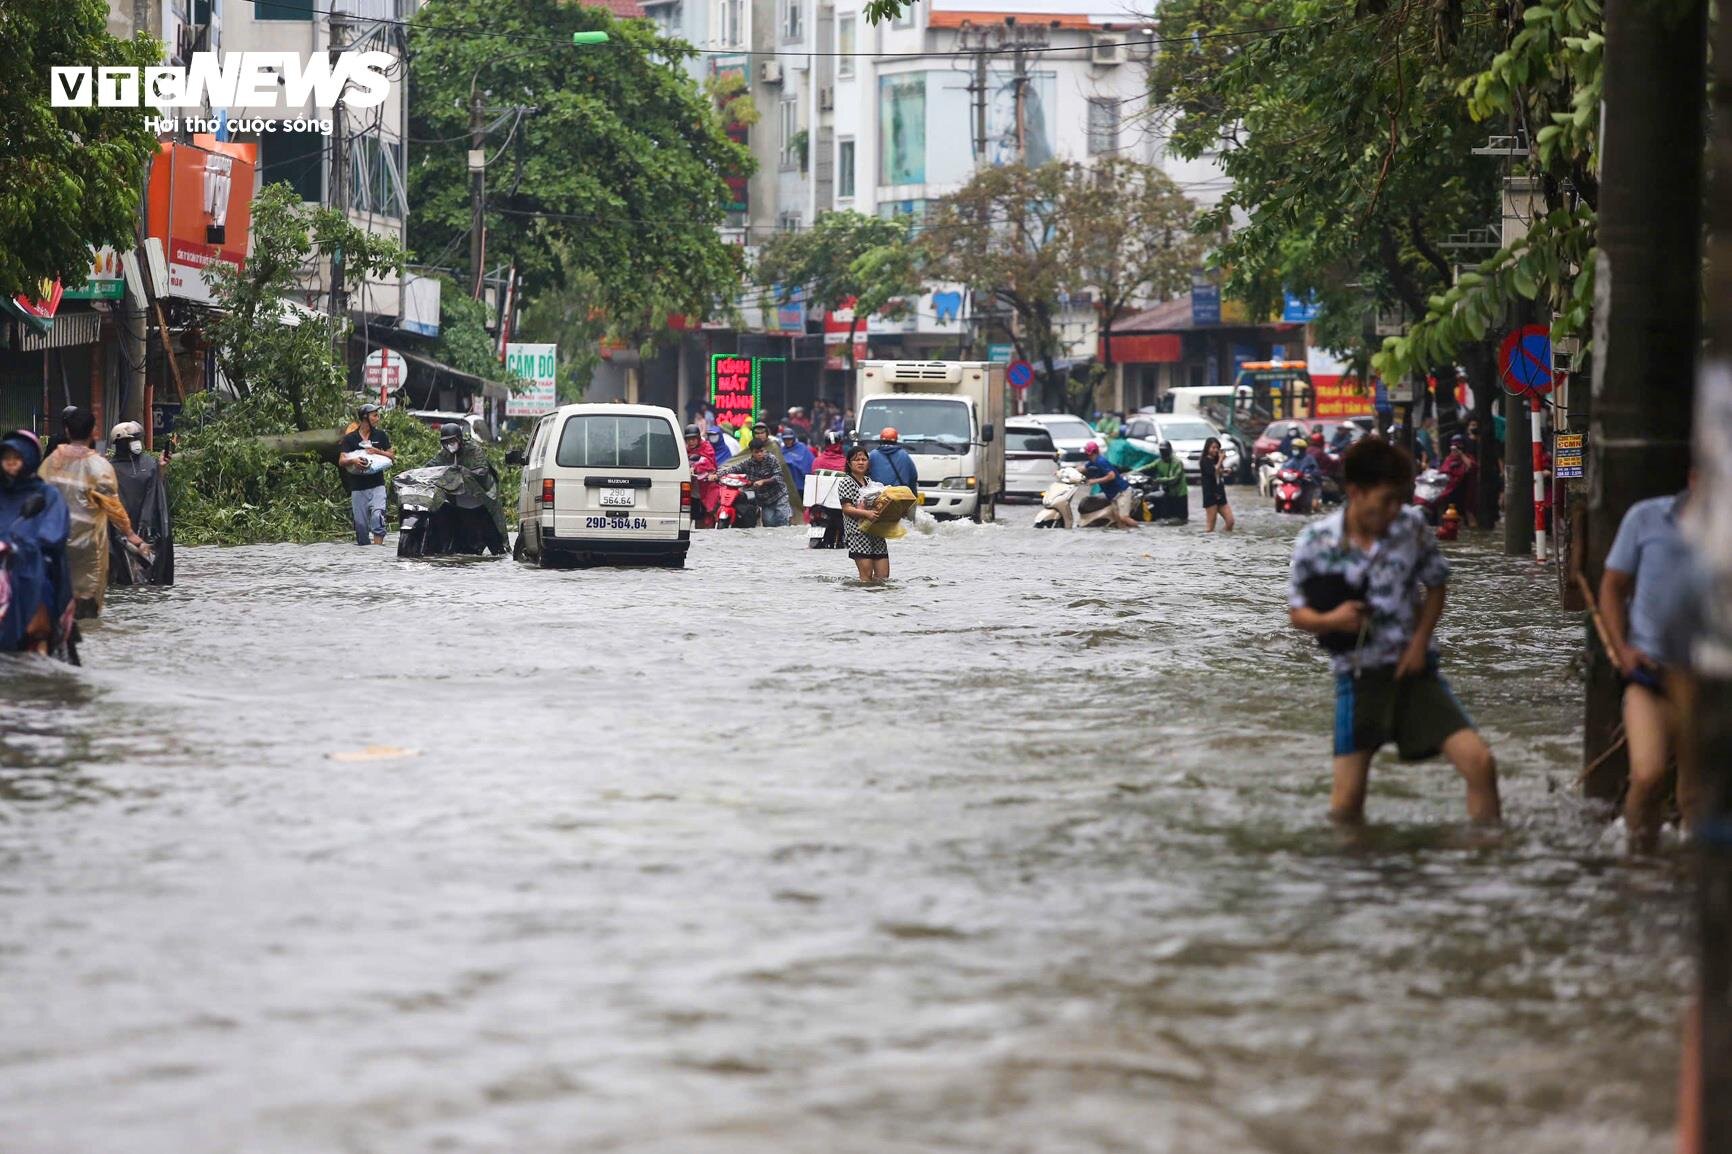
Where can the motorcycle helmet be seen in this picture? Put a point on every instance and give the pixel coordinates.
(1092, 448)
(1166, 450)
(888, 433)
(693, 432)
(833, 437)
(369, 407)
(1316, 438)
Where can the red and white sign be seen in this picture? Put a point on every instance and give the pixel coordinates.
(1334, 393)
(837, 324)
(384, 372)
(44, 307)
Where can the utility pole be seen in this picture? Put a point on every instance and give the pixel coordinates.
(977, 88)
(1648, 283)
(477, 192)
(339, 306)
(1708, 720)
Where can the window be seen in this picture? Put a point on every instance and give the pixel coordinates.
(902, 129)
(283, 9)
(904, 18)
(792, 28)
(792, 146)
(1103, 127)
(622, 442)
(844, 47)
(730, 25)
(296, 159)
(844, 169)
(788, 222)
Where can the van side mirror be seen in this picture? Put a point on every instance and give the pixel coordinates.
(988, 433)
(515, 457)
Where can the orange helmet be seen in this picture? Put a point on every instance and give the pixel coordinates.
(887, 433)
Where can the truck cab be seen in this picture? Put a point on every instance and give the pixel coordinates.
(949, 416)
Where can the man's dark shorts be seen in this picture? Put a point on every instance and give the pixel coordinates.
(1418, 714)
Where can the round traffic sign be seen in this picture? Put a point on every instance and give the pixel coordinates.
(1524, 360)
(1019, 374)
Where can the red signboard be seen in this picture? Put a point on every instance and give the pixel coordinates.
(734, 389)
(1145, 349)
(1337, 397)
(200, 206)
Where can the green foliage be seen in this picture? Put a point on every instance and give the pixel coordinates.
(69, 177)
(621, 166)
(231, 484)
(1549, 76)
(880, 11)
(845, 256)
(259, 351)
(1347, 144)
(569, 315)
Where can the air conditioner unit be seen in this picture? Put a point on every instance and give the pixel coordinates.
(1106, 50)
(770, 72)
(826, 99)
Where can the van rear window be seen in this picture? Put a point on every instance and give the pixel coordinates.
(624, 441)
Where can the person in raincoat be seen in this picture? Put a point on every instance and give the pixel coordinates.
(799, 459)
(145, 496)
(480, 482)
(35, 579)
(706, 493)
(92, 494)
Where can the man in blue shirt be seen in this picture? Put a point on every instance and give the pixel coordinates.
(890, 464)
(1103, 473)
(1648, 587)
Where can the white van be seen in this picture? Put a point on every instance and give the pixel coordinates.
(605, 483)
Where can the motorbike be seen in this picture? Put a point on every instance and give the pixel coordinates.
(1268, 465)
(1294, 491)
(1094, 510)
(738, 508)
(434, 518)
(1431, 492)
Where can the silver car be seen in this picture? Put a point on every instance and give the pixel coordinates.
(1030, 460)
(1188, 433)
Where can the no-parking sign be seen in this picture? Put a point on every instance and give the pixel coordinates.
(1019, 374)
(1525, 360)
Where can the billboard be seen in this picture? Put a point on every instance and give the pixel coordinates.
(734, 389)
(539, 365)
(200, 207)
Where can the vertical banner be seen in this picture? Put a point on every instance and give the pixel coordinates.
(734, 389)
(538, 364)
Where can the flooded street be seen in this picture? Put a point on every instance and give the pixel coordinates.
(1024, 852)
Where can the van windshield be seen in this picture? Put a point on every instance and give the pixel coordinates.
(618, 441)
(923, 424)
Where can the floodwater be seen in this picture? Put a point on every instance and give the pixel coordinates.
(1023, 852)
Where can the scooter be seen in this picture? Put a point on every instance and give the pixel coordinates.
(430, 520)
(1268, 465)
(1431, 492)
(1093, 511)
(1294, 492)
(738, 508)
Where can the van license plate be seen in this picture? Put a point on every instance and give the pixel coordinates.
(621, 498)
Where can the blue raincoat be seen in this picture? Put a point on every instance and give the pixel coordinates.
(36, 569)
(799, 459)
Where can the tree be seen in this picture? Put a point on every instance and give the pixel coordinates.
(69, 177)
(268, 350)
(1350, 153)
(845, 260)
(1000, 235)
(609, 153)
(1126, 235)
(1027, 237)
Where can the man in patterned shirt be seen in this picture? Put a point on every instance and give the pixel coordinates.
(1369, 582)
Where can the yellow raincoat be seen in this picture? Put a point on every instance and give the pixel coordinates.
(87, 484)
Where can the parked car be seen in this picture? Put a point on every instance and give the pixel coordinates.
(433, 418)
(1067, 432)
(1188, 433)
(605, 483)
(1030, 460)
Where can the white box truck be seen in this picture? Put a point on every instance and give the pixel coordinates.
(949, 415)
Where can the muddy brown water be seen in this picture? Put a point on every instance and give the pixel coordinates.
(1022, 852)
